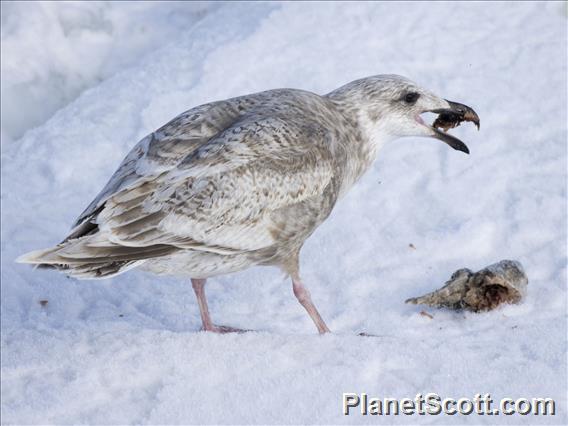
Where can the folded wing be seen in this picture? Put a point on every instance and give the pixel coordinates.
(199, 183)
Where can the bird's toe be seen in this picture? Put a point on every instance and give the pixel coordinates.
(223, 329)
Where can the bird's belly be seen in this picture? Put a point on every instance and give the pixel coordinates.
(197, 264)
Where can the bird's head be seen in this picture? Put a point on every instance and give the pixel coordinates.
(390, 106)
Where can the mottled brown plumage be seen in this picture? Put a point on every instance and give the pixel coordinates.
(241, 182)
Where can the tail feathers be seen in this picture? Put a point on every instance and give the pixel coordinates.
(79, 260)
(92, 271)
(48, 256)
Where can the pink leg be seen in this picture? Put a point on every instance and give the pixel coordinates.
(199, 288)
(303, 296)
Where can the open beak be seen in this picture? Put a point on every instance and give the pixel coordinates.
(449, 118)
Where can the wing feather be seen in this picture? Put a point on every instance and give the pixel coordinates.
(163, 149)
(206, 185)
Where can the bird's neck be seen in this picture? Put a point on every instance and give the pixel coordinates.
(362, 150)
(373, 129)
(362, 159)
(374, 133)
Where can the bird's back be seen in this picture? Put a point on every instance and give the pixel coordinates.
(248, 178)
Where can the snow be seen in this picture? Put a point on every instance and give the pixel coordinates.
(51, 52)
(127, 350)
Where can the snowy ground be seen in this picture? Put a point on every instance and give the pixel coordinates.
(53, 52)
(128, 351)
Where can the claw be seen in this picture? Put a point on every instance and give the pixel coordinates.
(224, 329)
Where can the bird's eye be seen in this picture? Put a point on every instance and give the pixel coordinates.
(411, 98)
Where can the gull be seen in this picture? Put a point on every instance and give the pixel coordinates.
(245, 181)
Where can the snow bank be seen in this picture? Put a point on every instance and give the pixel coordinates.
(127, 350)
(52, 51)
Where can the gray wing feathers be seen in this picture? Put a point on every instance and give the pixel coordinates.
(223, 207)
(166, 147)
(207, 181)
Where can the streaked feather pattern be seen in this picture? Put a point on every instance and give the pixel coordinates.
(224, 179)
